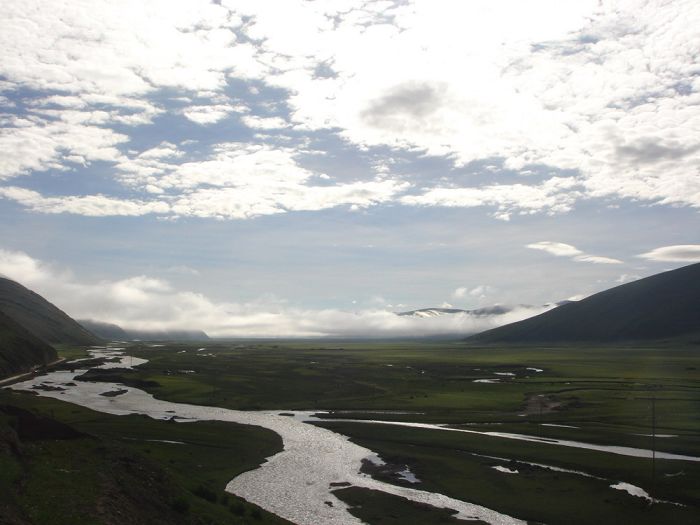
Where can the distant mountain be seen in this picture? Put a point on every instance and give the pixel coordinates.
(20, 351)
(112, 332)
(41, 318)
(108, 331)
(477, 312)
(167, 335)
(432, 312)
(663, 306)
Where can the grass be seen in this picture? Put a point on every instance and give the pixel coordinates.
(372, 506)
(455, 465)
(605, 391)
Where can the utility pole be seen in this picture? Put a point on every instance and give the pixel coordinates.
(653, 444)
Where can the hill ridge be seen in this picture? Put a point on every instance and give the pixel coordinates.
(40, 317)
(663, 306)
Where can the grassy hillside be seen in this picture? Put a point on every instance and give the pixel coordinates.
(663, 306)
(19, 349)
(40, 317)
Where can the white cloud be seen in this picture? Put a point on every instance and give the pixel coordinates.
(626, 278)
(597, 259)
(144, 302)
(555, 195)
(460, 293)
(208, 114)
(607, 90)
(88, 205)
(255, 122)
(182, 270)
(560, 249)
(248, 180)
(481, 291)
(32, 144)
(678, 253)
(238, 181)
(128, 47)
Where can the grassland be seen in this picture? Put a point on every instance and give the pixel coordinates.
(605, 392)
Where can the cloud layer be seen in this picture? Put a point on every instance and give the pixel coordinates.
(574, 100)
(679, 253)
(560, 249)
(150, 303)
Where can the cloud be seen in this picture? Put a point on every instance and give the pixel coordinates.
(548, 87)
(208, 114)
(560, 249)
(237, 181)
(603, 92)
(555, 195)
(36, 144)
(89, 205)
(597, 259)
(404, 106)
(255, 122)
(626, 278)
(152, 303)
(678, 253)
(460, 293)
(480, 291)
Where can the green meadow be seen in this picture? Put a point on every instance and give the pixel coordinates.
(605, 392)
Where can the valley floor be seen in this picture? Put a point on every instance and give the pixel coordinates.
(597, 395)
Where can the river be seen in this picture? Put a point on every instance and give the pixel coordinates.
(296, 483)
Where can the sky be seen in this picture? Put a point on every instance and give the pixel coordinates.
(307, 167)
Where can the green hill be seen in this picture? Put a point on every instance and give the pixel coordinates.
(40, 317)
(663, 306)
(20, 350)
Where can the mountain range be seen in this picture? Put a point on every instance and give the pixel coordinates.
(113, 332)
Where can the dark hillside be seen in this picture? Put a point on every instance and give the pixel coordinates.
(40, 317)
(20, 351)
(107, 331)
(663, 306)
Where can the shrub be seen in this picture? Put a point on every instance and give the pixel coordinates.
(180, 505)
(205, 493)
(237, 508)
